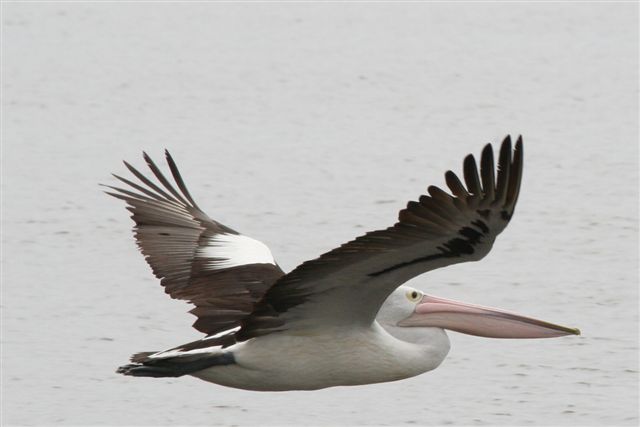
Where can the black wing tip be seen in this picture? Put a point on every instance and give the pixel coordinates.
(112, 194)
(505, 147)
(507, 142)
(434, 189)
(181, 197)
(147, 158)
(110, 187)
(169, 158)
(172, 163)
(455, 185)
(469, 158)
(113, 191)
(471, 177)
(146, 155)
(518, 149)
(519, 143)
(119, 178)
(506, 183)
(515, 175)
(486, 157)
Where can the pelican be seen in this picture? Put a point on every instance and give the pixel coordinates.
(344, 318)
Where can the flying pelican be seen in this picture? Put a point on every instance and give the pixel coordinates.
(340, 319)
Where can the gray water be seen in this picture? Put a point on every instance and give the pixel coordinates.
(304, 125)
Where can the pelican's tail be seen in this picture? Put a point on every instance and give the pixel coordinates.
(146, 366)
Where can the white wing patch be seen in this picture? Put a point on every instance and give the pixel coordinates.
(167, 354)
(213, 349)
(234, 250)
(219, 334)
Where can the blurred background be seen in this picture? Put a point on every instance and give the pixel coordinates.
(304, 125)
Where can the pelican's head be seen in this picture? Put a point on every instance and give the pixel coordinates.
(407, 308)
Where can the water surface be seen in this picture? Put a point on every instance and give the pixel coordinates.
(304, 125)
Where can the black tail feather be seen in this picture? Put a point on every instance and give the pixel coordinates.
(139, 370)
(174, 366)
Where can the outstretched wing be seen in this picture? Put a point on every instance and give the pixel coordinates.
(199, 260)
(347, 285)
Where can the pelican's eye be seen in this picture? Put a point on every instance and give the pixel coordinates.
(414, 296)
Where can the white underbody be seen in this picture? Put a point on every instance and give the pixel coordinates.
(326, 358)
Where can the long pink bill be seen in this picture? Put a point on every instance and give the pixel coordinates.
(481, 321)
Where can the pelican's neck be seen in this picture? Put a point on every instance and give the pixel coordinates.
(425, 346)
